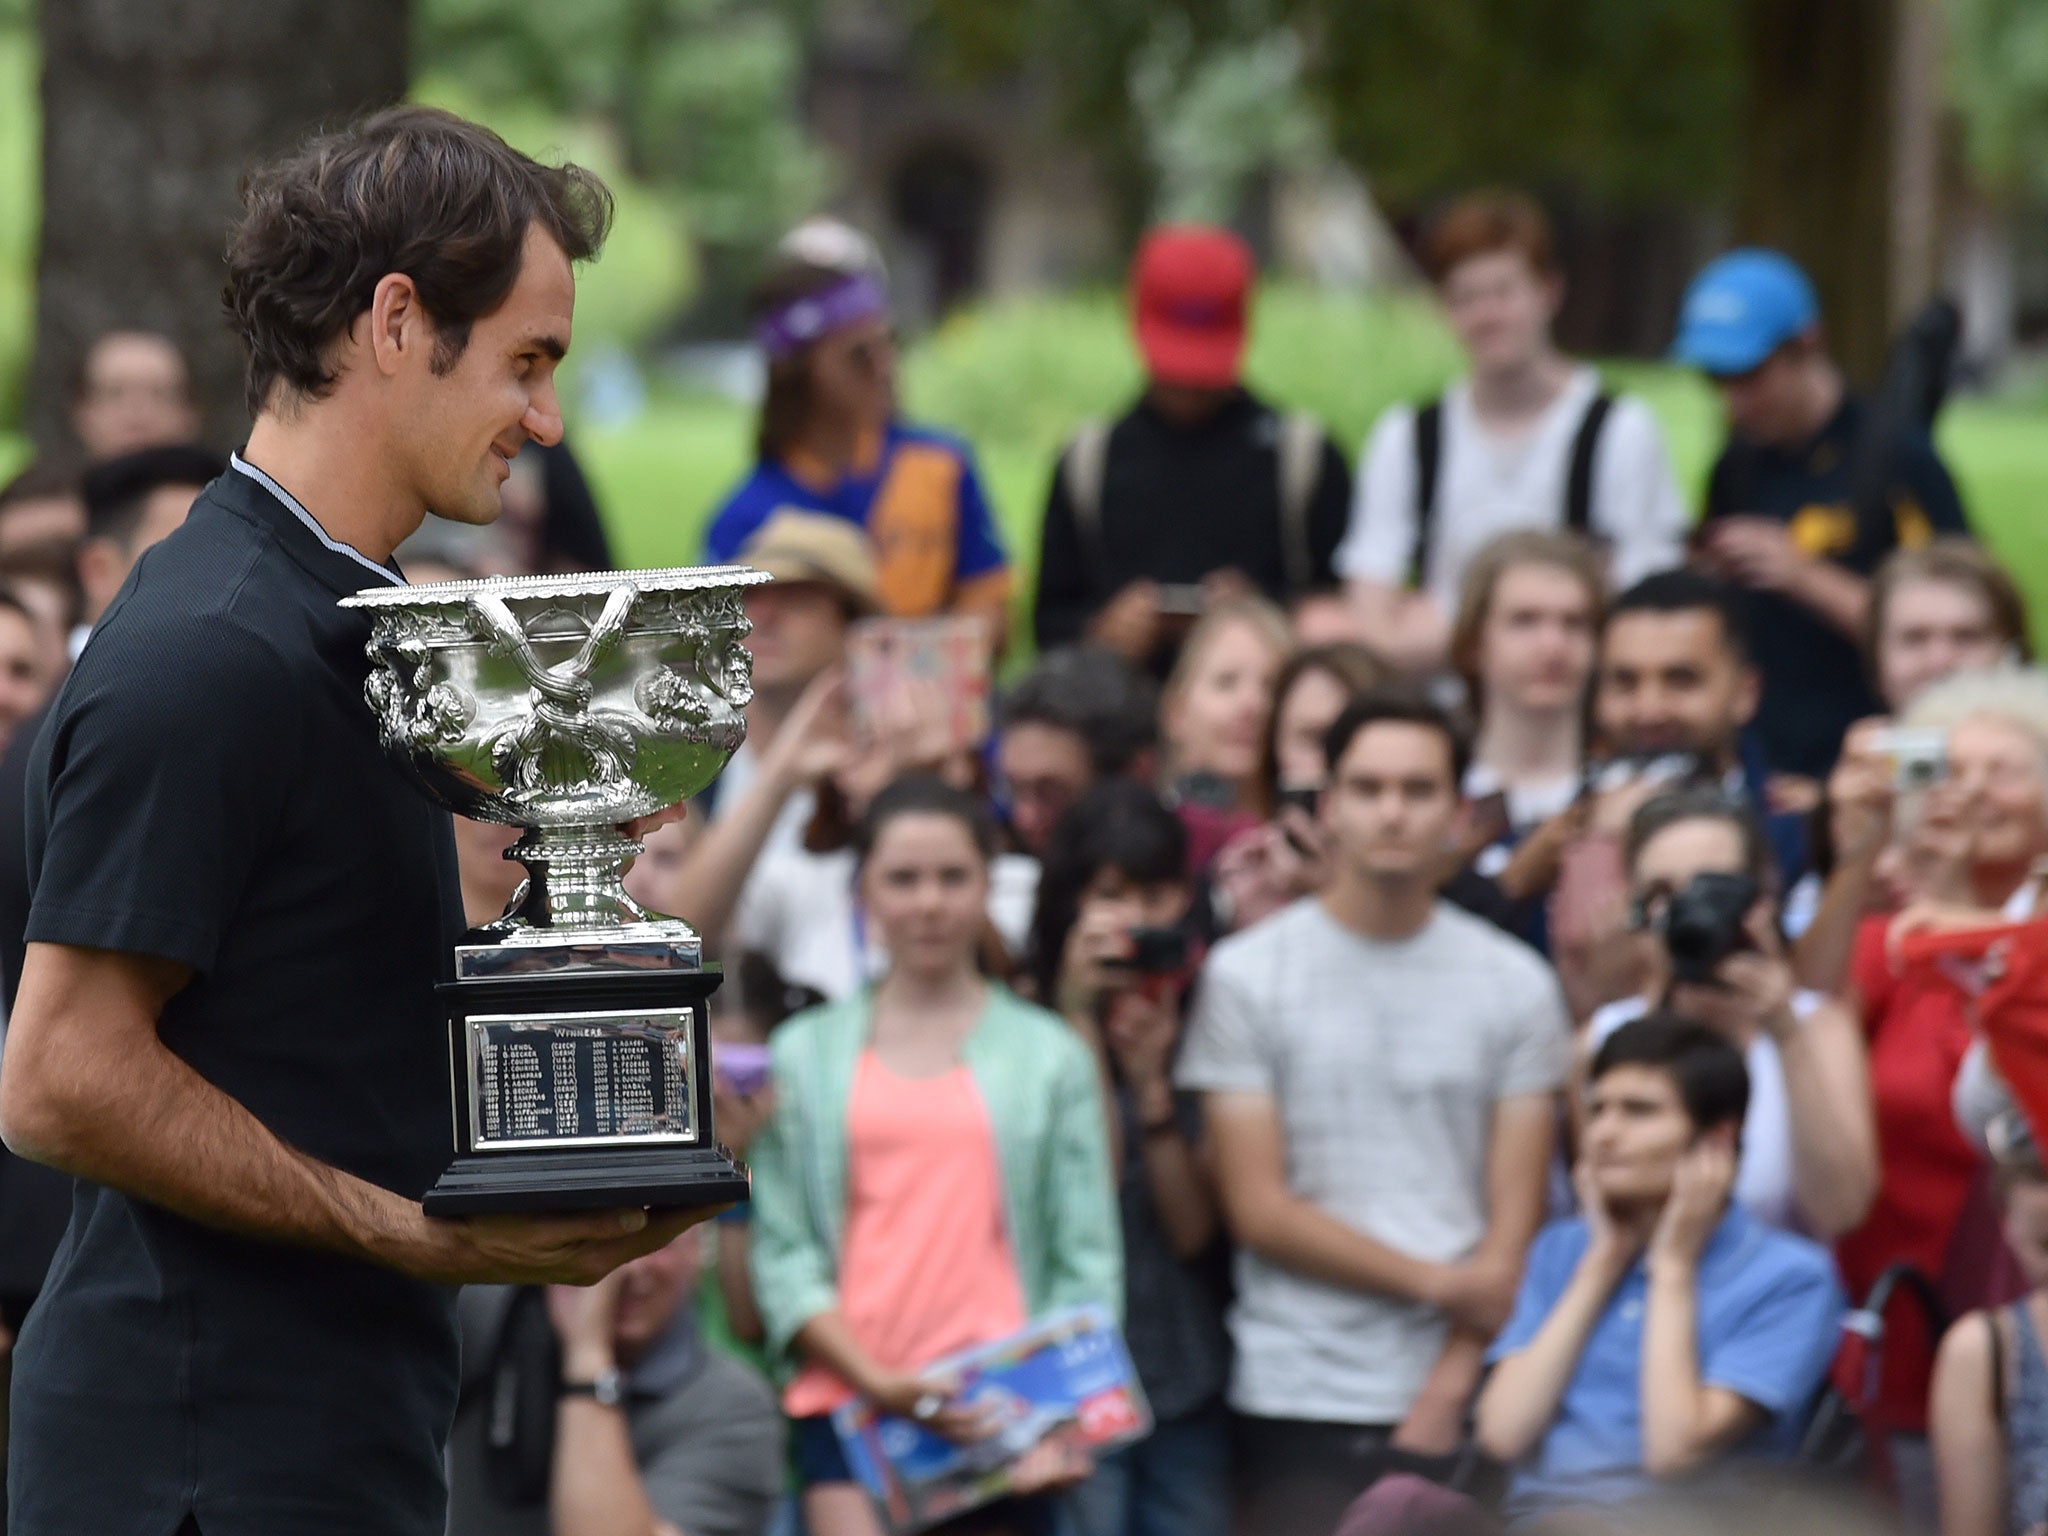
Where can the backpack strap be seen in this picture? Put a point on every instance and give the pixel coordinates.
(1578, 486)
(1301, 460)
(1084, 469)
(1429, 453)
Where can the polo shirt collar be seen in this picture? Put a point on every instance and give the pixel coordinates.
(341, 566)
(673, 1361)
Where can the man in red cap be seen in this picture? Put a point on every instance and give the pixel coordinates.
(1200, 481)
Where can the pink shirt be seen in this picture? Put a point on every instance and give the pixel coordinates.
(925, 1268)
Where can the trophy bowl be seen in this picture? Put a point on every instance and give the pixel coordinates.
(565, 705)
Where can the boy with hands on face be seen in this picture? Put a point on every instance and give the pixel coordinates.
(1663, 1330)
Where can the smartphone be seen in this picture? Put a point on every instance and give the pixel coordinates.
(1154, 952)
(740, 1066)
(1182, 599)
(1919, 759)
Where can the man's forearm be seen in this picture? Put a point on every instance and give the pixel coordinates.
(1521, 1399)
(1291, 1232)
(1672, 1410)
(595, 1488)
(1841, 597)
(146, 1123)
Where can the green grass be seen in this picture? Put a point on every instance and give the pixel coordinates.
(1017, 379)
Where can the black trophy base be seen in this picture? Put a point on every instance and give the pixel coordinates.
(587, 1179)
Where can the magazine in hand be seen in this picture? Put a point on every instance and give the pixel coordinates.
(1065, 1377)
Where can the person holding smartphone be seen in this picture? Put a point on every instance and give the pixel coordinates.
(1115, 953)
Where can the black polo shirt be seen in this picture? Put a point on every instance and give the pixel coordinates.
(209, 789)
(1816, 684)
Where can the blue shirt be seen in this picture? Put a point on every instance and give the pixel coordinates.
(1770, 1314)
(916, 494)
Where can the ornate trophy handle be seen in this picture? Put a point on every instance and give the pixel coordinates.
(566, 684)
(561, 694)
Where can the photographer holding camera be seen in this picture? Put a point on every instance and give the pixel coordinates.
(1112, 941)
(1704, 913)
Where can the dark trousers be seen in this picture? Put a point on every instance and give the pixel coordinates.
(1296, 1477)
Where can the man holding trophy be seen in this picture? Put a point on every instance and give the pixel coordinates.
(238, 1016)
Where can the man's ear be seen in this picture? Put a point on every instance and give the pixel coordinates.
(1724, 1136)
(398, 324)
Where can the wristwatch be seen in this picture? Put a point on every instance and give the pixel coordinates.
(609, 1388)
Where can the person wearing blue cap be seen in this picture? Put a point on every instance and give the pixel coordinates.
(1806, 500)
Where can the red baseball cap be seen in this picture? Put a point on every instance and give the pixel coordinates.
(1190, 293)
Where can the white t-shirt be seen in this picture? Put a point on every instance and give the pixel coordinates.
(1384, 1062)
(1487, 486)
(1763, 1176)
(798, 909)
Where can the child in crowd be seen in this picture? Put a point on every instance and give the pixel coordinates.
(933, 1173)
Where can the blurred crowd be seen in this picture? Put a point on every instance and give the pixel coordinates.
(1515, 982)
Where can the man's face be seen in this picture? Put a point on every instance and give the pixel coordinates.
(1044, 770)
(1392, 806)
(651, 1288)
(1501, 308)
(1636, 1129)
(461, 430)
(799, 630)
(136, 395)
(24, 670)
(1536, 650)
(1769, 403)
(1669, 683)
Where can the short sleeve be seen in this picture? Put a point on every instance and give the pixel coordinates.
(1538, 1054)
(1776, 1350)
(1639, 506)
(1227, 1047)
(722, 1477)
(1379, 541)
(980, 547)
(170, 764)
(736, 521)
(1545, 1274)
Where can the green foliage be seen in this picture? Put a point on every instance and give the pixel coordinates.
(1216, 119)
(646, 271)
(1998, 82)
(20, 203)
(700, 95)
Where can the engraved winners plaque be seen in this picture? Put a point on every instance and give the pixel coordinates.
(578, 1044)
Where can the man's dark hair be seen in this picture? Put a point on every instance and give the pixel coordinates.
(410, 189)
(1398, 707)
(1685, 590)
(1712, 1081)
(41, 479)
(1094, 693)
(117, 491)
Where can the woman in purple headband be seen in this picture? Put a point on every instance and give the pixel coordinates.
(830, 441)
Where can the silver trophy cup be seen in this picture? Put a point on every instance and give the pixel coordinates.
(568, 705)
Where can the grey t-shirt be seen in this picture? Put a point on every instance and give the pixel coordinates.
(1385, 1062)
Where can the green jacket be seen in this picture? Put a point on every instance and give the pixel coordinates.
(1044, 1101)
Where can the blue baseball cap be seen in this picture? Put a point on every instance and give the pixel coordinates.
(1741, 309)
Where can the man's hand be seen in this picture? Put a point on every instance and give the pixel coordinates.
(1479, 1293)
(1130, 622)
(1756, 551)
(1610, 1244)
(534, 1250)
(586, 1320)
(1751, 991)
(1861, 794)
(1699, 1196)
(640, 826)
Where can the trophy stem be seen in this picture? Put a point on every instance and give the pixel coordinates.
(575, 887)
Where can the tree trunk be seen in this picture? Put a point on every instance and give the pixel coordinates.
(1819, 148)
(152, 110)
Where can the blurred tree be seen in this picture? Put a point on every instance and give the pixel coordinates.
(152, 109)
(1998, 80)
(702, 95)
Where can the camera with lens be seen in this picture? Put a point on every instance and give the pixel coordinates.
(1702, 925)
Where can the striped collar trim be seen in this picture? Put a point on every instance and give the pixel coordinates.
(384, 572)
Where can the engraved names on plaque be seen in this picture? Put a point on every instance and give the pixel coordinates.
(581, 1077)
